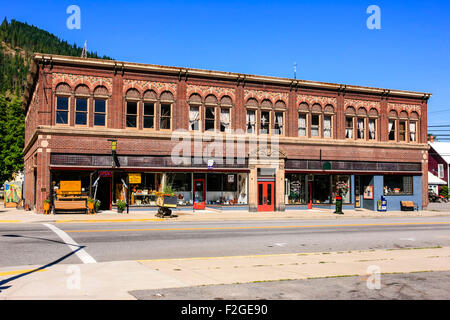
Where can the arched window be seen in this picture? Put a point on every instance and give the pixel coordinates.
(350, 113)
(392, 125)
(63, 92)
(166, 105)
(226, 104)
(195, 101)
(303, 111)
(132, 108)
(210, 112)
(81, 105)
(100, 108)
(316, 113)
(252, 105)
(373, 118)
(149, 112)
(328, 114)
(413, 126)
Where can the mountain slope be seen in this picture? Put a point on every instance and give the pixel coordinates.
(18, 41)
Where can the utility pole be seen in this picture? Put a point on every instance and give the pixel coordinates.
(295, 70)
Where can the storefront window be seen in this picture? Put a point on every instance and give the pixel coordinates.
(226, 188)
(344, 182)
(398, 185)
(295, 189)
(142, 192)
(182, 186)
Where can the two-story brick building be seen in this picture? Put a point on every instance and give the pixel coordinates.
(318, 134)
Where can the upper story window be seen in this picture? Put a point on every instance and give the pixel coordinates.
(264, 127)
(361, 129)
(327, 124)
(225, 120)
(132, 114)
(81, 105)
(402, 126)
(413, 126)
(210, 112)
(226, 104)
(392, 125)
(99, 112)
(350, 114)
(373, 115)
(81, 111)
(328, 121)
(440, 170)
(148, 122)
(349, 127)
(194, 118)
(195, 101)
(251, 121)
(210, 119)
(100, 105)
(279, 123)
(166, 116)
(302, 124)
(62, 110)
(62, 103)
(166, 102)
(315, 125)
(303, 119)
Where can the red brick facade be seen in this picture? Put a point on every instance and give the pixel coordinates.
(115, 81)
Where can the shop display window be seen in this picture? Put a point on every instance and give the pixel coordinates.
(395, 185)
(295, 190)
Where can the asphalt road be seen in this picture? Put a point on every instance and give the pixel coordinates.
(36, 244)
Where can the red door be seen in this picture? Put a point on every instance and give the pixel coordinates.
(266, 196)
(199, 194)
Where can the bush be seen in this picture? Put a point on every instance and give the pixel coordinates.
(444, 191)
(121, 205)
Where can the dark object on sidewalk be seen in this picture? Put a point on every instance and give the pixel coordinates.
(408, 206)
(165, 202)
(338, 205)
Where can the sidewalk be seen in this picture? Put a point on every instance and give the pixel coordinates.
(114, 280)
(12, 215)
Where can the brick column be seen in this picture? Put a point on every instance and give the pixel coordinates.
(340, 118)
(239, 115)
(181, 110)
(292, 116)
(116, 112)
(384, 135)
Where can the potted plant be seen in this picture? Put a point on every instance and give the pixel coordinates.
(91, 205)
(47, 206)
(121, 206)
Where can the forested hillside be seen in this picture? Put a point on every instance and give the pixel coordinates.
(18, 41)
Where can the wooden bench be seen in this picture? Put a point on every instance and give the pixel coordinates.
(408, 206)
(70, 205)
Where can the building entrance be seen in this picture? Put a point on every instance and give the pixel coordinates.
(266, 196)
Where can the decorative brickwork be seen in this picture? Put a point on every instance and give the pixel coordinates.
(203, 91)
(262, 95)
(310, 100)
(404, 107)
(142, 86)
(362, 104)
(73, 80)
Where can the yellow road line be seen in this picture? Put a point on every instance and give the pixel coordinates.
(108, 220)
(14, 272)
(10, 221)
(266, 227)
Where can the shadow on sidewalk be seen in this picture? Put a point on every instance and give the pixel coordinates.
(5, 281)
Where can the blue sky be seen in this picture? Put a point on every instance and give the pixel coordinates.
(329, 40)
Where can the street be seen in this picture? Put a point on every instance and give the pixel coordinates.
(34, 244)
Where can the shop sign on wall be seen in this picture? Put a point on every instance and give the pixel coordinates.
(134, 178)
